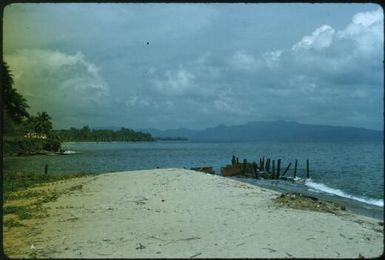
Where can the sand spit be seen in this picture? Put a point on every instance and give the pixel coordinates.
(178, 213)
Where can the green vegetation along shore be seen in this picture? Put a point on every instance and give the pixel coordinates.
(86, 134)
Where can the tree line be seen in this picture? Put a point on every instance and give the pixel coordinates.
(86, 134)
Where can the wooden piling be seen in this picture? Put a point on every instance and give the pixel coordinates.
(255, 170)
(46, 169)
(233, 161)
(287, 168)
(295, 168)
(278, 168)
(263, 162)
(307, 169)
(237, 160)
(268, 164)
(273, 168)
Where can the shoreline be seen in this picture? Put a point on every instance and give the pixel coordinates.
(355, 206)
(181, 213)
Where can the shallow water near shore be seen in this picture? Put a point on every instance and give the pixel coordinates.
(350, 172)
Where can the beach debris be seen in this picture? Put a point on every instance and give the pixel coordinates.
(271, 250)
(140, 246)
(300, 201)
(32, 247)
(182, 239)
(71, 219)
(195, 255)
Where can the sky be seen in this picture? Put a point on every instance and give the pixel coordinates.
(196, 66)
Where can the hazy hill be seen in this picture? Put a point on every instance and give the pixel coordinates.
(272, 131)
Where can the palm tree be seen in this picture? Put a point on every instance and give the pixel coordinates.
(15, 104)
(42, 122)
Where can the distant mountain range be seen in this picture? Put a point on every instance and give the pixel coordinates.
(271, 131)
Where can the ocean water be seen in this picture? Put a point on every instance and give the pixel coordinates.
(349, 171)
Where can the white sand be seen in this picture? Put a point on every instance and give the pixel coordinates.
(180, 213)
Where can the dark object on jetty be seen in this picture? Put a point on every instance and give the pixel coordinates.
(307, 169)
(204, 169)
(233, 161)
(246, 170)
(295, 168)
(278, 168)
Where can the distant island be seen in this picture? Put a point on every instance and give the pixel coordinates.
(279, 131)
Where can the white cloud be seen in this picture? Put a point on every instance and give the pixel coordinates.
(321, 38)
(176, 82)
(366, 32)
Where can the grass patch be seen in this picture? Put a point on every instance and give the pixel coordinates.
(10, 223)
(16, 181)
(49, 197)
(23, 202)
(24, 212)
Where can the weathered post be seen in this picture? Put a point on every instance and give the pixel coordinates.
(278, 167)
(46, 169)
(307, 169)
(233, 160)
(244, 165)
(255, 170)
(273, 168)
(295, 168)
(263, 162)
(268, 164)
(237, 160)
(287, 168)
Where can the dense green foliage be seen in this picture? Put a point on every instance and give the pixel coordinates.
(15, 105)
(24, 134)
(86, 134)
(19, 145)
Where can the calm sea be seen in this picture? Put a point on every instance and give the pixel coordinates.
(347, 171)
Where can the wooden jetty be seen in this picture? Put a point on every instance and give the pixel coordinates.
(261, 170)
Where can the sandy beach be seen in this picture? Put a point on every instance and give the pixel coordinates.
(178, 213)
